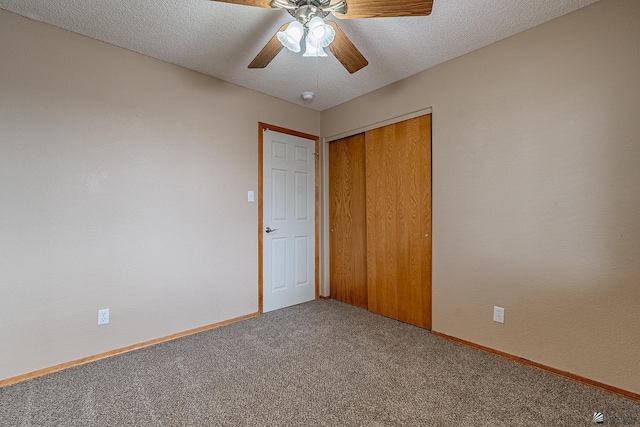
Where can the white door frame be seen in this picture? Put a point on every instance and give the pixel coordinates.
(261, 128)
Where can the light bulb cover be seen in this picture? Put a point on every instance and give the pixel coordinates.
(319, 34)
(311, 49)
(290, 38)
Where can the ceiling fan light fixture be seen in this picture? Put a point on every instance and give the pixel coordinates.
(290, 38)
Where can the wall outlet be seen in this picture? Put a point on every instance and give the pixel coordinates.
(498, 314)
(103, 316)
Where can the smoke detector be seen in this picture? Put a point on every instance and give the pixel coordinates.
(307, 96)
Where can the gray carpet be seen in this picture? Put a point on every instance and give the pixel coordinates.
(322, 363)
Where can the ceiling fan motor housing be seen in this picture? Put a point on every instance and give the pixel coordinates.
(305, 10)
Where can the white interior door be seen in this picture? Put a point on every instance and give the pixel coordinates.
(289, 220)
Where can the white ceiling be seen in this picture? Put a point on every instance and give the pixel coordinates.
(221, 39)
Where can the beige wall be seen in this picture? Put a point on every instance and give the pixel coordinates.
(536, 190)
(123, 185)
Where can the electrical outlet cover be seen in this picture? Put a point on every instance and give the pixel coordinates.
(103, 316)
(498, 314)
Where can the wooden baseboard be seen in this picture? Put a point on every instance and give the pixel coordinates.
(615, 390)
(96, 357)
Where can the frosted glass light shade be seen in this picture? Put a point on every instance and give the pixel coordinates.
(321, 34)
(290, 38)
(312, 49)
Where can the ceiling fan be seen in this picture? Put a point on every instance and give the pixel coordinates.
(309, 24)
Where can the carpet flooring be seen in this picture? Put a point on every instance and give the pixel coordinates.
(322, 363)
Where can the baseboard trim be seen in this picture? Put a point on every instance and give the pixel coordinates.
(106, 354)
(615, 390)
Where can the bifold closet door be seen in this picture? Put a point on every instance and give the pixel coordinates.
(347, 221)
(398, 217)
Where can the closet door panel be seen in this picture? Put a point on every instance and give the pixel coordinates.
(347, 222)
(382, 233)
(398, 215)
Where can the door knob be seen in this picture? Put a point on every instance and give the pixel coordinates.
(270, 230)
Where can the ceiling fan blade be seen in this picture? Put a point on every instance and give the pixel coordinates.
(269, 51)
(386, 8)
(344, 51)
(255, 3)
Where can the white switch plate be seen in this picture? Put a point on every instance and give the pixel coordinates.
(103, 316)
(250, 196)
(498, 314)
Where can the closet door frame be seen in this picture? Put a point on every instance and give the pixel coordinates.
(324, 152)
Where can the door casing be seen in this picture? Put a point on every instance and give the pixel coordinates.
(261, 128)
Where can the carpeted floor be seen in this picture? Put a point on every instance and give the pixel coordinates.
(322, 363)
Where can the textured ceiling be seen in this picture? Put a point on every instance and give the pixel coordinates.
(221, 39)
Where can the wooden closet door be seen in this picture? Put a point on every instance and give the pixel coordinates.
(347, 221)
(398, 216)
